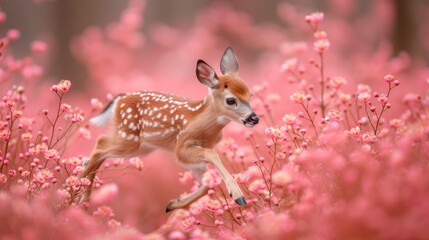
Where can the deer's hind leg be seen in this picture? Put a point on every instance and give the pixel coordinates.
(106, 147)
(197, 172)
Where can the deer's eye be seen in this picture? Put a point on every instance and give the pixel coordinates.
(231, 101)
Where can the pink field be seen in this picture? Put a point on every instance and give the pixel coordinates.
(341, 151)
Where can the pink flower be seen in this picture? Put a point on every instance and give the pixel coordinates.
(297, 97)
(3, 179)
(17, 113)
(344, 98)
(51, 154)
(5, 134)
(64, 86)
(96, 104)
(188, 223)
(104, 194)
(320, 35)
(289, 65)
(13, 34)
(77, 118)
(104, 211)
(186, 177)
(84, 133)
(211, 178)
(72, 181)
(354, 131)
(395, 123)
(335, 116)
(212, 205)
(281, 178)
(176, 235)
(314, 18)
(65, 107)
(26, 137)
(337, 82)
(363, 88)
(39, 47)
(241, 178)
(137, 163)
(42, 176)
(290, 119)
(389, 78)
(364, 96)
(382, 99)
(321, 45)
(257, 185)
(276, 132)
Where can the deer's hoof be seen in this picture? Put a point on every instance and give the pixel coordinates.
(241, 201)
(169, 207)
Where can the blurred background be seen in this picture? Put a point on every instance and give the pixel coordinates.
(110, 46)
(403, 23)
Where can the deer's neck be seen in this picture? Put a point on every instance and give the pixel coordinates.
(206, 123)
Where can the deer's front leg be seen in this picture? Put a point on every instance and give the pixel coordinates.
(234, 190)
(198, 155)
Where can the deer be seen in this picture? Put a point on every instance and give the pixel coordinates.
(141, 122)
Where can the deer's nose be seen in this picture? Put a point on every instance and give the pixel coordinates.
(253, 118)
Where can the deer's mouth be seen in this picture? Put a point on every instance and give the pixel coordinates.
(251, 120)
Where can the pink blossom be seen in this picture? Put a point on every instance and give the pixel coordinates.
(77, 118)
(395, 123)
(211, 178)
(96, 104)
(297, 97)
(177, 235)
(72, 181)
(241, 178)
(65, 107)
(382, 99)
(188, 223)
(43, 175)
(314, 18)
(104, 211)
(32, 72)
(321, 45)
(281, 177)
(257, 185)
(39, 47)
(4, 134)
(355, 131)
(212, 205)
(337, 82)
(85, 133)
(3, 179)
(290, 119)
(13, 34)
(364, 96)
(363, 88)
(320, 35)
(137, 163)
(64, 86)
(276, 132)
(51, 154)
(26, 137)
(389, 78)
(289, 65)
(335, 116)
(105, 194)
(186, 177)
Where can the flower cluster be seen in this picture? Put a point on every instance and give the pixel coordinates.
(335, 155)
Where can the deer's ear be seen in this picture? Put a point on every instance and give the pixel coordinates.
(229, 62)
(207, 75)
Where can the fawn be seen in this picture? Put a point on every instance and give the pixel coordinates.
(144, 121)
